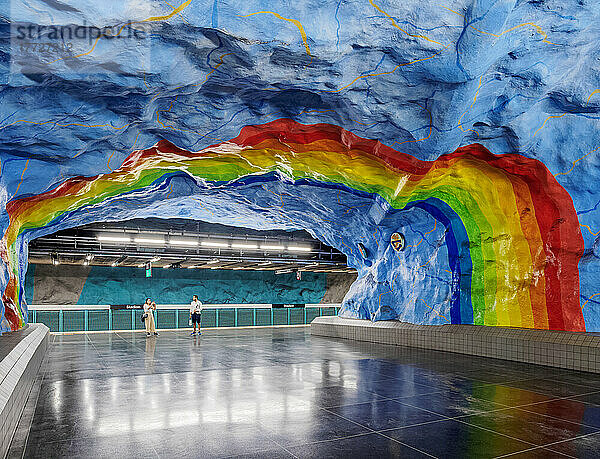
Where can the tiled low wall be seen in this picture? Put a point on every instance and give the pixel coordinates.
(21, 354)
(575, 351)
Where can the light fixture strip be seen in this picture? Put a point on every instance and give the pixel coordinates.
(183, 242)
(214, 244)
(296, 248)
(146, 240)
(272, 247)
(239, 245)
(114, 239)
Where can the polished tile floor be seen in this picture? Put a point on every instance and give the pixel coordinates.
(283, 393)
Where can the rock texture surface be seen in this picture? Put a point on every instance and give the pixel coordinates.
(136, 119)
(106, 285)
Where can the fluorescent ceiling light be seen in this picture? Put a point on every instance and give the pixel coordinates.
(214, 244)
(192, 267)
(237, 245)
(184, 242)
(272, 247)
(296, 248)
(147, 240)
(267, 263)
(114, 238)
(212, 262)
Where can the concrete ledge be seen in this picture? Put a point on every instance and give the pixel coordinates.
(573, 351)
(21, 354)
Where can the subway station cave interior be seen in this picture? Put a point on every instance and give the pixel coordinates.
(309, 229)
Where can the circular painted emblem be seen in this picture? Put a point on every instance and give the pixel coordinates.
(398, 242)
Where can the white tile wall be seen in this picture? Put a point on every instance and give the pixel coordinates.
(23, 355)
(576, 351)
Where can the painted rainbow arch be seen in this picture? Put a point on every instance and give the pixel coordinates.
(483, 200)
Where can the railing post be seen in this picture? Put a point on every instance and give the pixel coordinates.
(288, 311)
(217, 318)
(109, 319)
(272, 315)
(86, 318)
(305, 316)
(176, 318)
(236, 317)
(254, 317)
(60, 320)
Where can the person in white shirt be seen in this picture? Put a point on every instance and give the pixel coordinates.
(149, 308)
(196, 314)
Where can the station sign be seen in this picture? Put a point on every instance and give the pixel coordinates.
(124, 307)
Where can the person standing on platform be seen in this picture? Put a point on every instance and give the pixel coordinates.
(196, 314)
(149, 308)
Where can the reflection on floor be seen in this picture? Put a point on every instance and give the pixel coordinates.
(282, 393)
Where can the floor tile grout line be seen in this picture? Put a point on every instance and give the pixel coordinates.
(349, 420)
(130, 343)
(507, 384)
(97, 351)
(319, 441)
(533, 449)
(371, 432)
(506, 408)
(328, 440)
(596, 428)
(456, 417)
(536, 448)
(407, 445)
(550, 445)
(498, 433)
(582, 395)
(521, 407)
(283, 447)
(503, 408)
(376, 432)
